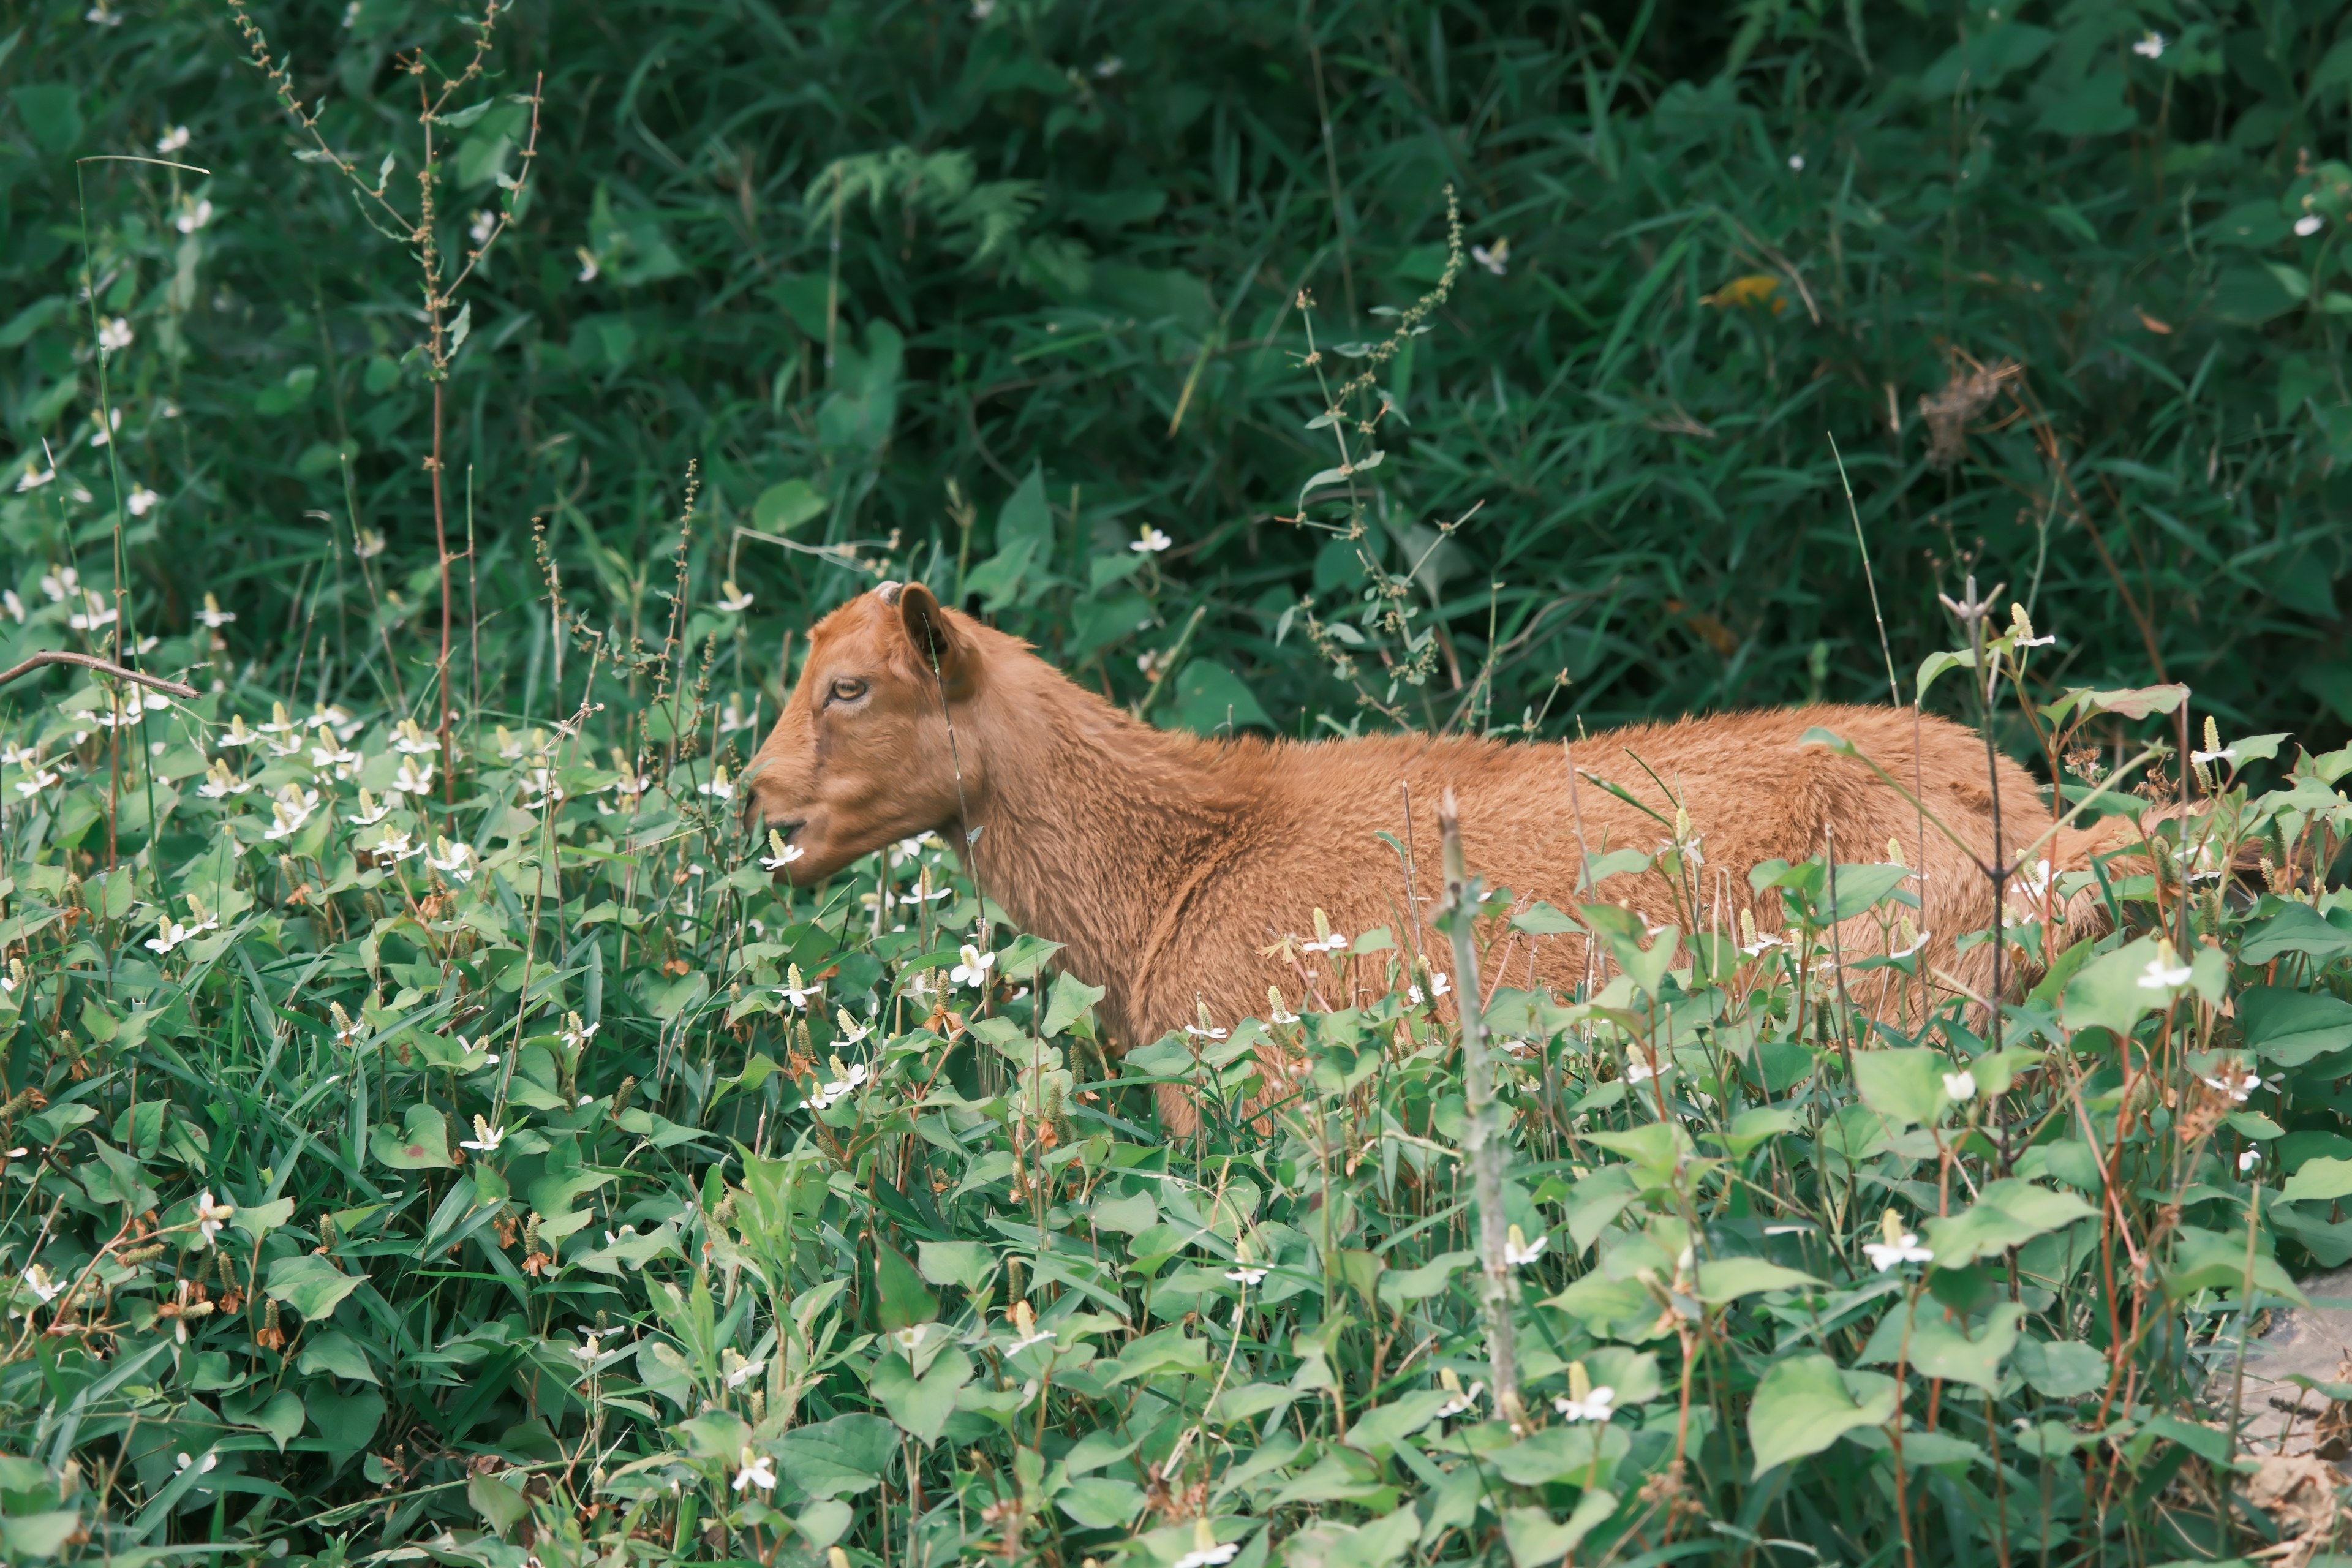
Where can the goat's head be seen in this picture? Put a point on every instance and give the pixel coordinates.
(860, 756)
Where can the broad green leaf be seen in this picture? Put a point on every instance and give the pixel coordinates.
(1936, 1346)
(921, 1406)
(499, 1502)
(824, 1521)
(967, 1264)
(38, 1534)
(339, 1353)
(1130, 1216)
(904, 1300)
(1803, 1405)
(2320, 1180)
(2060, 1369)
(1400, 1286)
(2008, 1213)
(2108, 993)
(422, 1144)
(1537, 1541)
(1565, 1453)
(2297, 928)
(2290, 1028)
(310, 1284)
(783, 508)
(839, 1458)
(1905, 1085)
(1382, 1428)
(1100, 1502)
(2219, 1261)
(1072, 999)
(1728, 1278)
(257, 1220)
(1540, 919)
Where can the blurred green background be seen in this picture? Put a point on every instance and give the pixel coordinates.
(984, 290)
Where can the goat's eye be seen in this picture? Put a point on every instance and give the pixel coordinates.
(848, 690)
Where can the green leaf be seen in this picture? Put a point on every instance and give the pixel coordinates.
(1537, 1541)
(500, 1503)
(1540, 919)
(1070, 1000)
(1383, 1427)
(783, 508)
(2060, 1369)
(1905, 1085)
(964, 1263)
(2321, 1180)
(1728, 1278)
(2290, 1028)
(38, 1534)
(1400, 1286)
(1211, 700)
(1100, 1502)
(1026, 516)
(1939, 1347)
(52, 115)
(824, 1521)
(904, 1300)
(339, 1353)
(423, 1144)
(921, 1406)
(2297, 928)
(257, 1220)
(1803, 1405)
(839, 1458)
(2107, 993)
(310, 1284)
(2008, 1213)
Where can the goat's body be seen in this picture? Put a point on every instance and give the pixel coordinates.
(1168, 866)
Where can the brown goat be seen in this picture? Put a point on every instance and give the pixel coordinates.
(1167, 865)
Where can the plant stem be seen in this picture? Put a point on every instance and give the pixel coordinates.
(1485, 1143)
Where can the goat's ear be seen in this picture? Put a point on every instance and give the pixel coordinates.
(937, 644)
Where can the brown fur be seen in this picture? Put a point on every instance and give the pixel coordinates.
(1164, 863)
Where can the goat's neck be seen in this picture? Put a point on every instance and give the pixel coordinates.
(1091, 825)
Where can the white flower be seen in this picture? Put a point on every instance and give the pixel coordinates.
(1334, 943)
(981, 10)
(2309, 224)
(1439, 986)
(1202, 1032)
(1518, 1251)
(115, 335)
(1497, 260)
(736, 600)
(850, 1079)
(1598, 1406)
(99, 16)
(1918, 941)
(174, 139)
(213, 616)
(974, 970)
(732, 718)
(2249, 1158)
(783, 854)
(798, 991)
(65, 582)
(141, 501)
(1109, 67)
(2151, 46)
(2226, 755)
(1462, 1399)
(852, 1031)
(15, 605)
(370, 813)
(756, 1472)
(96, 613)
(33, 479)
(104, 435)
(1151, 542)
(39, 1281)
(2236, 1088)
(1639, 1071)
(2165, 972)
(342, 761)
(1903, 1249)
(1210, 1556)
(413, 777)
(36, 780)
(2036, 886)
(411, 739)
(292, 809)
(204, 1466)
(194, 217)
(211, 1216)
(452, 860)
(1797, 162)
(588, 267)
(1763, 945)
(170, 934)
(236, 734)
(486, 1139)
(745, 1374)
(367, 544)
(1245, 1275)
(485, 224)
(718, 788)
(1961, 1085)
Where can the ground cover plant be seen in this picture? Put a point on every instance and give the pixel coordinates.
(431, 1133)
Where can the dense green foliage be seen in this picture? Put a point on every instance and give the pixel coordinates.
(1070, 240)
(426, 1138)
